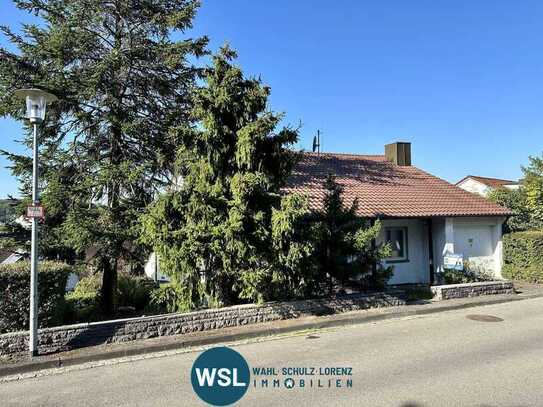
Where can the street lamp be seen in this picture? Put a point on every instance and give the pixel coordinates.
(36, 104)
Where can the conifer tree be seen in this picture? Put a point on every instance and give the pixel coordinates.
(106, 146)
(345, 243)
(213, 233)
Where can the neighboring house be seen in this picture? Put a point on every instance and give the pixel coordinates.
(424, 218)
(484, 185)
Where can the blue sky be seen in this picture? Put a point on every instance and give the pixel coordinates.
(461, 80)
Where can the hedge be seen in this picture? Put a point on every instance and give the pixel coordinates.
(15, 294)
(523, 256)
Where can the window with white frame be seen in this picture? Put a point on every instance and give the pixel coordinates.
(396, 237)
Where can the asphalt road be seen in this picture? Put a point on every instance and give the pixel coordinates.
(441, 359)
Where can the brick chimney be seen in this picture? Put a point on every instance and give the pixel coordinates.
(399, 153)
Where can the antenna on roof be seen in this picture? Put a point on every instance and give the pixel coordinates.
(317, 142)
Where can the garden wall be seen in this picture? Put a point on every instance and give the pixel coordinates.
(70, 337)
(450, 291)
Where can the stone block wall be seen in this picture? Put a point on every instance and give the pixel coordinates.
(450, 291)
(64, 338)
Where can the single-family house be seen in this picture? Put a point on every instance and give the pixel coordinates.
(424, 218)
(484, 185)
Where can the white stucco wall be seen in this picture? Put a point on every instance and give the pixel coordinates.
(478, 239)
(477, 187)
(416, 269)
(474, 187)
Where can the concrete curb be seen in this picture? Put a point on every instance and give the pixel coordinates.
(337, 320)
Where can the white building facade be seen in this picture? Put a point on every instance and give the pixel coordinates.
(483, 185)
(420, 246)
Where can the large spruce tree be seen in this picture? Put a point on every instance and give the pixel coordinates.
(107, 145)
(213, 232)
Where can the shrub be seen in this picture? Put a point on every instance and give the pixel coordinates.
(15, 294)
(516, 200)
(471, 273)
(135, 291)
(523, 256)
(84, 301)
(167, 298)
(83, 304)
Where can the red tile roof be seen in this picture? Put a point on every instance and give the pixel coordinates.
(491, 182)
(384, 189)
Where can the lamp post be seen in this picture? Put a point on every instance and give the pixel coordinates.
(36, 104)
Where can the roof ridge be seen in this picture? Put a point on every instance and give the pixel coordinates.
(347, 154)
(490, 178)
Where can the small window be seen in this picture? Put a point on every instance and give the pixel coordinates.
(397, 239)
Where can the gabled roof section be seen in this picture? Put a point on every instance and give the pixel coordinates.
(490, 182)
(384, 189)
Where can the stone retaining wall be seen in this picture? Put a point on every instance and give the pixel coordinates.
(447, 292)
(70, 337)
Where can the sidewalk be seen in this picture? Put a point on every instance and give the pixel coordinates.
(263, 330)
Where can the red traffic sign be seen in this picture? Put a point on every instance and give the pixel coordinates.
(35, 211)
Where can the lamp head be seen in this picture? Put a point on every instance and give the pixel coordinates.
(36, 103)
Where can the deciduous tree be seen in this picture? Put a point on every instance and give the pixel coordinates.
(533, 184)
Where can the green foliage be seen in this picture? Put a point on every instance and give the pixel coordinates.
(419, 293)
(7, 210)
(523, 258)
(15, 294)
(213, 232)
(517, 201)
(167, 298)
(84, 301)
(295, 273)
(533, 184)
(107, 147)
(89, 285)
(470, 274)
(135, 291)
(83, 304)
(345, 247)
